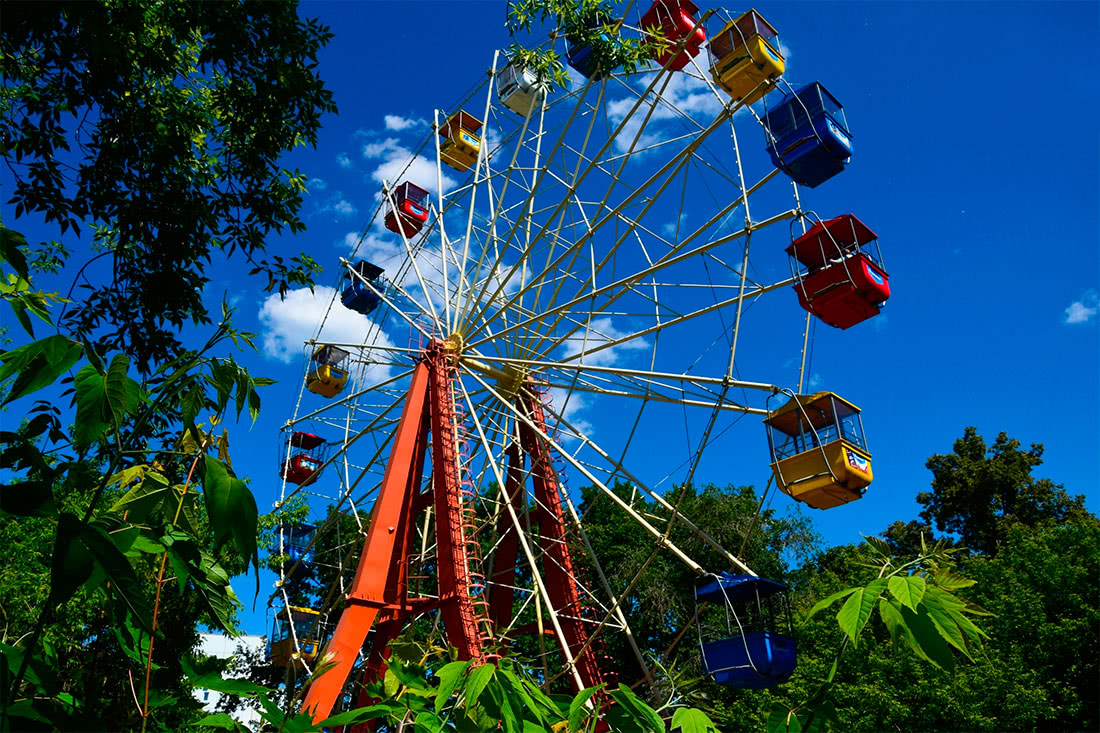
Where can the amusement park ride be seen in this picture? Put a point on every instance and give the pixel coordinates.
(537, 282)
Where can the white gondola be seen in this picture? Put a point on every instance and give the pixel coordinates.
(518, 90)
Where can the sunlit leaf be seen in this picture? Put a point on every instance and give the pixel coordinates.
(690, 720)
(449, 677)
(826, 602)
(479, 678)
(231, 508)
(38, 364)
(909, 589)
(646, 716)
(855, 612)
(577, 709)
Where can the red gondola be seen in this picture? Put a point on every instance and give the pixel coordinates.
(411, 202)
(844, 282)
(307, 453)
(675, 20)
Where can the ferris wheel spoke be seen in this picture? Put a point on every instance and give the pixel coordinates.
(661, 539)
(660, 326)
(618, 467)
(412, 260)
(674, 256)
(482, 162)
(524, 544)
(623, 285)
(727, 111)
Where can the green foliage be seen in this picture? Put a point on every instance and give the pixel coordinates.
(95, 525)
(158, 127)
(582, 23)
(979, 491)
(661, 603)
(501, 695)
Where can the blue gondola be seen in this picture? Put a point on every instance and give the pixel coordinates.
(584, 58)
(358, 296)
(808, 136)
(751, 647)
(296, 546)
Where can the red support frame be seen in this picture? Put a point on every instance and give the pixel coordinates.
(379, 595)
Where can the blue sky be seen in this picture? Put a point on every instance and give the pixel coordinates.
(976, 161)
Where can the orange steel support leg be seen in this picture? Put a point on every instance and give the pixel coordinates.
(379, 579)
(558, 572)
(379, 591)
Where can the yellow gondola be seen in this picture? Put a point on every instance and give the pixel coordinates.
(327, 378)
(306, 626)
(819, 453)
(459, 142)
(745, 55)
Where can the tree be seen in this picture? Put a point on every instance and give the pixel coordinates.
(151, 133)
(978, 492)
(158, 128)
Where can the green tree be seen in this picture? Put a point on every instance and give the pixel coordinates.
(660, 604)
(979, 491)
(158, 127)
(152, 133)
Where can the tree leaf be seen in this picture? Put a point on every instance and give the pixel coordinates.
(909, 589)
(577, 708)
(648, 718)
(28, 499)
(124, 582)
(855, 612)
(943, 609)
(349, 717)
(72, 563)
(449, 676)
(222, 721)
(145, 498)
(103, 400)
(428, 722)
(826, 602)
(231, 509)
(476, 683)
(38, 364)
(927, 637)
(10, 252)
(783, 720)
(690, 720)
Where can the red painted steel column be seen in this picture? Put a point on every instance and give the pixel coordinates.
(558, 572)
(501, 594)
(453, 536)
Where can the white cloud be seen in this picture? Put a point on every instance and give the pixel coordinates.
(569, 405)
(600, 331)
(1082, 311)
(398, 123)
(343, 160)
(316, 184)
(343, 208)
(396, 166)
(287, 323)
(672, 227)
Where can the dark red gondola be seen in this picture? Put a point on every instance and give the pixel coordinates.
(307, 454)
(844, 282)
(675, 20)
(411, 209)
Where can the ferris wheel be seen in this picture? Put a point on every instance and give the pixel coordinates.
(573, 283)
